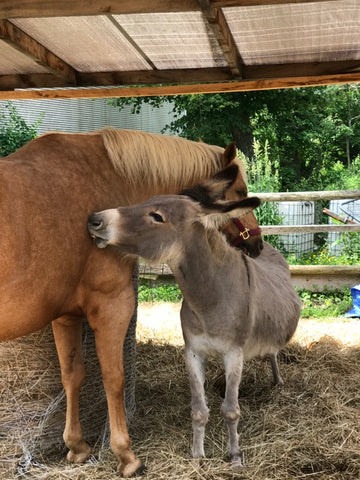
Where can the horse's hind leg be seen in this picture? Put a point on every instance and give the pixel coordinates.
(67, 334)
(275, 369)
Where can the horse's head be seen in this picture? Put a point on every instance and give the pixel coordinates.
(245, 233)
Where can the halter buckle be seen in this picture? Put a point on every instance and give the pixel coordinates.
(245, 234)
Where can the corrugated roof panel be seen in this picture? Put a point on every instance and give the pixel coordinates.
(14, 62)
(91, 44)
(174, 40)
(304, 32)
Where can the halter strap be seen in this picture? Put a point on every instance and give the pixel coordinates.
(244, 233)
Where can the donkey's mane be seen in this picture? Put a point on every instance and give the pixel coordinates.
(160, 159)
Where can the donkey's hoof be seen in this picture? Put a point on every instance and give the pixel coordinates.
(131, 469)
(236, 463)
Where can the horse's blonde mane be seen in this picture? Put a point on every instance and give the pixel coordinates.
(160, 159)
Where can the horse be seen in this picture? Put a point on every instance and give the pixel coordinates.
(52, 273)
(234, 306)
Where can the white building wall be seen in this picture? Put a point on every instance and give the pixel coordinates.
(86, 115)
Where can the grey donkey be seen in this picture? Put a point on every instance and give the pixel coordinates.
(234, 306)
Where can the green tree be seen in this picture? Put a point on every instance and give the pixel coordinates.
(14, 131)
(308, 129)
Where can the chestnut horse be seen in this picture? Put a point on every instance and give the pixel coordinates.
(52, 272)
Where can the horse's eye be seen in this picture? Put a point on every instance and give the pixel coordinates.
(157, 217)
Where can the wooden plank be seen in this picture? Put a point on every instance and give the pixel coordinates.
(221, 30)
(323, 228)
(49, 8)
(141, 77)
(30, 47)
(308, 196)
(299, 69)
(221, 87)
(325, 269)
(253, 3)
(44, 80)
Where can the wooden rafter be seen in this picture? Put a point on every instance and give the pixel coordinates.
(30, 47)
(220, 28)
(49, 8)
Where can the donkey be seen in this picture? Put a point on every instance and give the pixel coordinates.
(234, 306)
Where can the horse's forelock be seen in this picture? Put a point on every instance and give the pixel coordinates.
(160, 159)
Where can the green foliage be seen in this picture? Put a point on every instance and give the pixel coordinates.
(327, 303)
(349, 256)
(14, 131)
(166, 292)
(311, 131)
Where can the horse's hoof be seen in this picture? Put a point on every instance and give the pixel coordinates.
(79, 457)
(131, 469)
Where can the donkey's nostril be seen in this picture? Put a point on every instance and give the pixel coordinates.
(95, 221)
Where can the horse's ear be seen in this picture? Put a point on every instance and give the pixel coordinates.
(207, 192)
(229, 154)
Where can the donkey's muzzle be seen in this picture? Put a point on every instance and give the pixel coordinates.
(97, 227)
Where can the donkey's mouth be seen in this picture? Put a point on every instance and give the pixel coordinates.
(100, 242)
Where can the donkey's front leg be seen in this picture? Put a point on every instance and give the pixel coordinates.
(67, 335)
(109, 316)
(195, 364)
(233, 362)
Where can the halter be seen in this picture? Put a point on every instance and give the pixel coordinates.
(244, 233)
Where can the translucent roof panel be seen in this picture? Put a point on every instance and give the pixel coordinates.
(14, 62)
(174, 40)
(291, 33)
(91, 44)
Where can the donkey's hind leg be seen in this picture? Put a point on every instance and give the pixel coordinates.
(195, 364)
(275, 370)
(233, 362)
(67, 334)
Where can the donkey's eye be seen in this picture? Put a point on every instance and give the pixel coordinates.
(157, 217)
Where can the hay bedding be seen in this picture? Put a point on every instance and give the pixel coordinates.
(308, 430)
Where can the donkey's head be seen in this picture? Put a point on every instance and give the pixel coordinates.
(157, 229)
(244, 234)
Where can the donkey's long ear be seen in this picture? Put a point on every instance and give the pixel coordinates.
(207, 192)
(220, 212)
(229, 154)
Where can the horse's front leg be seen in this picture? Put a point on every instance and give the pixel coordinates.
(109, 316)
(233, 362)
(67, 334)
(195, 364)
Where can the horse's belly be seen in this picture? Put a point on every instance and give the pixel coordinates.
(22, 313)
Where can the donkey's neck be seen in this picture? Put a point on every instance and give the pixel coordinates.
(203, 272)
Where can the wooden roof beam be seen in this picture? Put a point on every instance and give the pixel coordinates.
(219, 87)
(103, 79)
(18, 39)
(49, 8)
(220, 28)
(300, 69)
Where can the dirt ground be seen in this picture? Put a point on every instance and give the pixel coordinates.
(160, 322)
